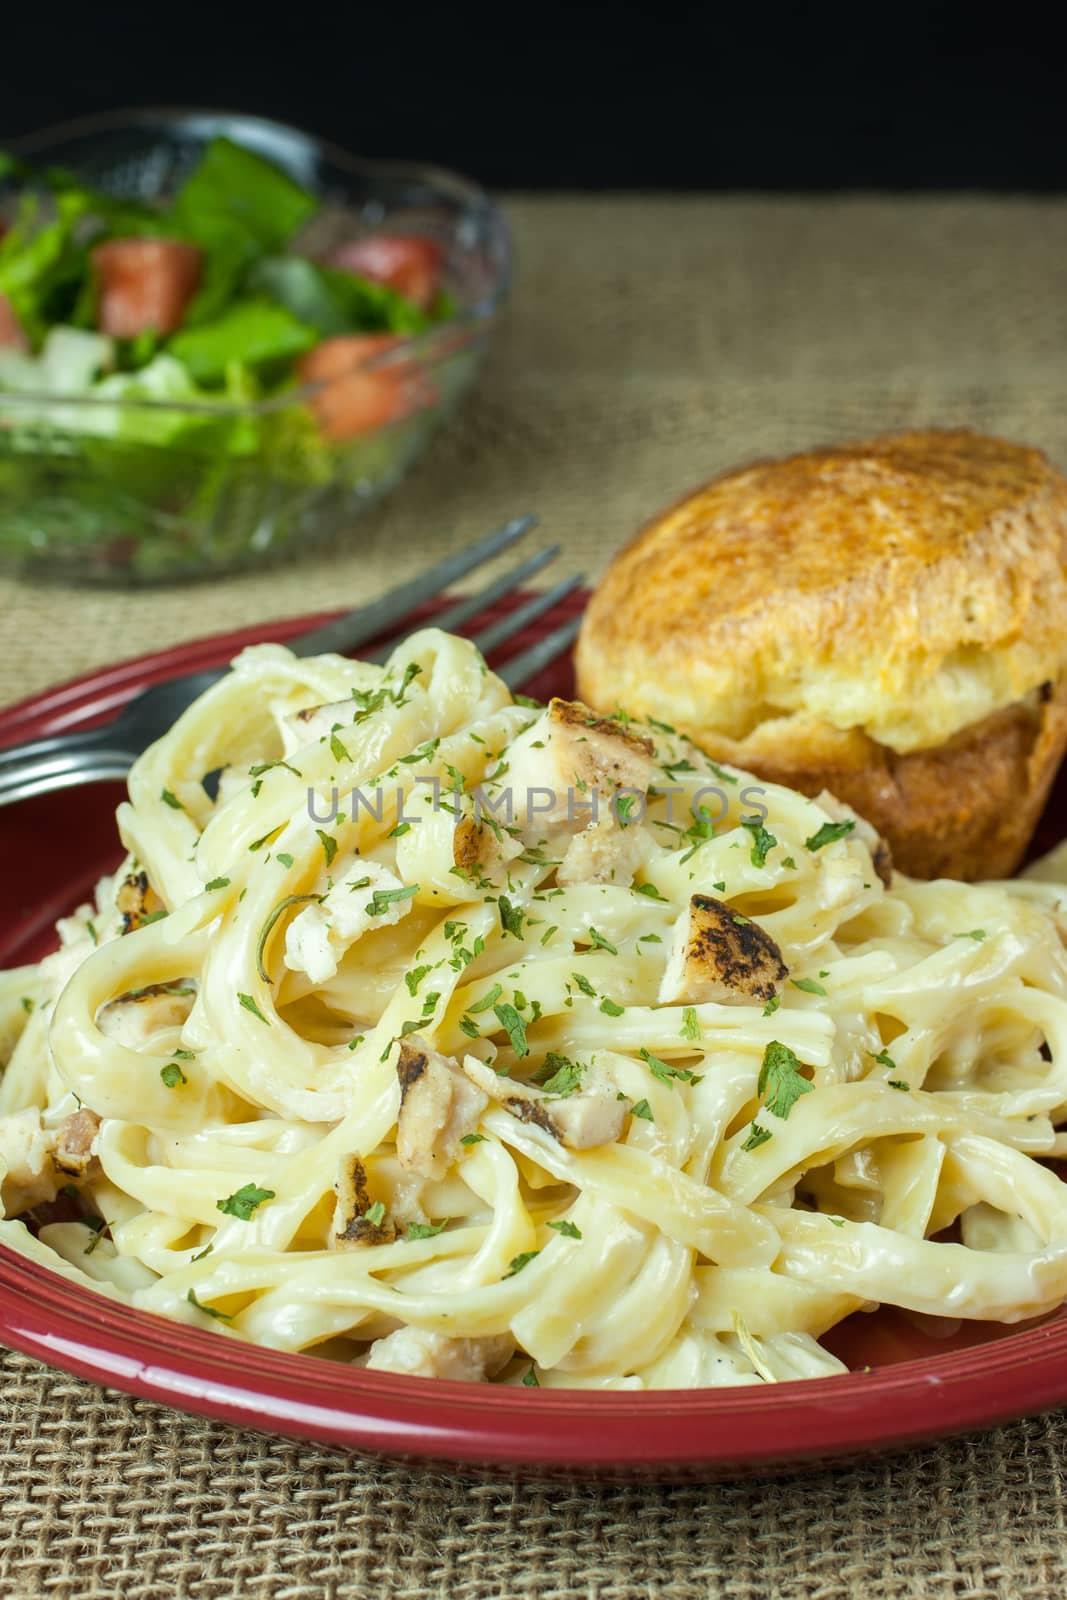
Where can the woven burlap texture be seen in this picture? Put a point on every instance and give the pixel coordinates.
(650, 343)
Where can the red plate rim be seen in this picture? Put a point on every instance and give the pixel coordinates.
(702, 1433)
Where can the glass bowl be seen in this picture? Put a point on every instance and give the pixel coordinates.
(95, 488)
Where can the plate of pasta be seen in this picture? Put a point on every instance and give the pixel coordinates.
(495, 1081)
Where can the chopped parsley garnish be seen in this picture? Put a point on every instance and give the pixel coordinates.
(513, 1026)
(624, 804)
(257, 844)
(567, 1229)
(690, 1024)
(200, 1254)
(884, 1059)
(523, 1259)
(244, 1202)
(560, 1075)
(598, 941)
(584, 985)
(473, 1138)
(660, 727)
(382, 899)
(337, 749)
(721, 773)
(809, 985)
(701, 829)
(511, 918)
(90, 928)
(828, 833)
(184, 1055)
(838, 1222)
(787, 861)
(279, 910)
(468, 1026)
(250, 1005)
(665, 1072)
(375, 1214)
(96, 1226)
(546, 936)
(762, 841)
(772, 1005)
(224, 883)
(488, 999)
(265, 766)
(354, 1044)
(898, 1083)
(781, 1081)
(651, 891)
(756, 1137)
(399, 831)
(329, 845)
(426, 1230)
(283, 856)
(170, 799)
(27, 1003)
(223, 1316)
(650, 938)
(977, 934)
(643, 1110)
(531, 1380)
(611, 1008)
(172, 1075)
(415, 977)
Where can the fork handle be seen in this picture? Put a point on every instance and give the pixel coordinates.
(41, 765)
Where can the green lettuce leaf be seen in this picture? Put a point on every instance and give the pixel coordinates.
(257, 333)
(233, 183)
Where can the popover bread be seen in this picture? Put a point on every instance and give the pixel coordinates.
(886, 619)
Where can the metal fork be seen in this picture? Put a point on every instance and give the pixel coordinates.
(90, 754)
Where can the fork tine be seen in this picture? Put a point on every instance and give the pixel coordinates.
(366, 622)
(498, 632)
(455, 615)
(529, 662)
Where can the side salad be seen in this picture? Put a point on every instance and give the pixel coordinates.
(209, 298)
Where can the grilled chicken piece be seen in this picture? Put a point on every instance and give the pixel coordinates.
(580, 1121)
(420, 1353)
(26, 1170)
(135, 1017)
(438, 1106)
(569, 756)
(717, 954)
(881, 855)
(352, 1228)
(75, 1148)
(136, 901)
(476, 846)
(316, 722)
(603, 853)
(318, 937)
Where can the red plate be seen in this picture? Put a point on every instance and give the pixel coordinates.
(915, 1387)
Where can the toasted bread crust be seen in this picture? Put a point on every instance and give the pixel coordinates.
(883, 619)
(907, 585)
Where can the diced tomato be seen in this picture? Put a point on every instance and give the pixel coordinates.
(408, 262)
(353, 400)
(144, 284)
(11, 334)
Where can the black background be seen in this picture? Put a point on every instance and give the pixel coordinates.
(589, 97)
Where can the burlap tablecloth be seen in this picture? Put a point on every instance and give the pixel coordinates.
(651, 342)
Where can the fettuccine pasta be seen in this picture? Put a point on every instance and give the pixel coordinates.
(457, 1036)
